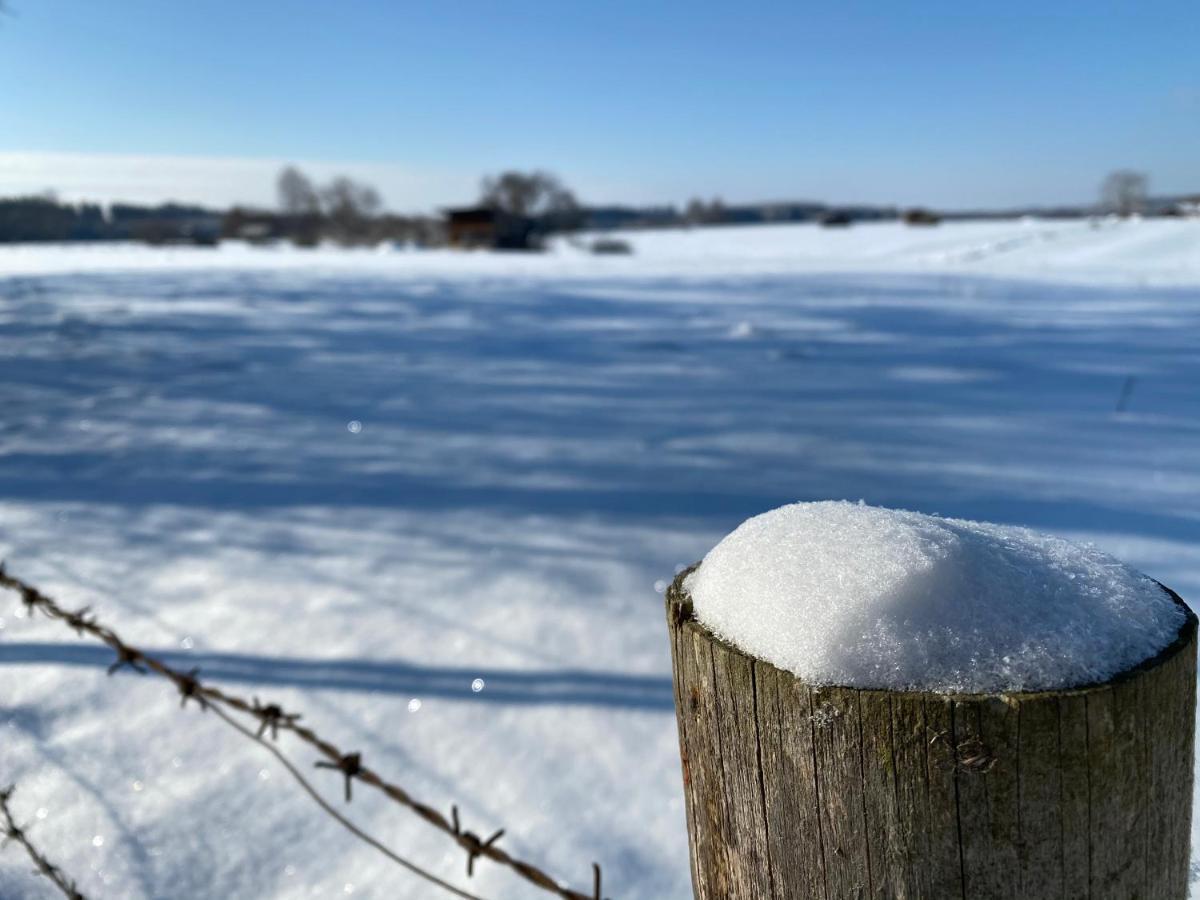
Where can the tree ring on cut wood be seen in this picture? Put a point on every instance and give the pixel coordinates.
(796, 790)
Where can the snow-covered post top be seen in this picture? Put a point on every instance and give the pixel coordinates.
(855, 595)
(896, 704)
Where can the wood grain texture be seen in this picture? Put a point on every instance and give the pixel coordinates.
(1074, 795)
(679, 680)
(787, 759)
(803, 792)
(880, 802)
(945, 846)
(912, 876)
(733, 677)
(838, 742)
(1040, 800)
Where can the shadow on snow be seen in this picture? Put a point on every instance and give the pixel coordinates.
(572, 687)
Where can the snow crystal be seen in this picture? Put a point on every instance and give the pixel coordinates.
(849, 594)
(478, 685)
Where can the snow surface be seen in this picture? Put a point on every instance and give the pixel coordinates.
(543, 440)
(849, 594)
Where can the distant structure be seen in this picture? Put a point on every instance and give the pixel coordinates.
(611, 247)
(1188, 206)
(482, 227)
(836, 218)
(255, 226)
(919, 216)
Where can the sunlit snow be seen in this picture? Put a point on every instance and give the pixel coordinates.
(544, 437)
(849, 594)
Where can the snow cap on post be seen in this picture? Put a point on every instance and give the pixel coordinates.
(848, 594)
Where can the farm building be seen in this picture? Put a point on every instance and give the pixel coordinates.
(483, 226)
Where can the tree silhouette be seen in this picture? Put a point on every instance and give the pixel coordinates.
(1124, 192)
(534, 195)
(297, 194)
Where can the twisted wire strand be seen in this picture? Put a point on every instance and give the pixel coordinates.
(273, 719)
(17, 835)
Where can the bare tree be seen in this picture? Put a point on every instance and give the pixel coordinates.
(535, 195)
(297, 193)
(347, 196)
(349, 206)
(1124, 192)
(700, 213)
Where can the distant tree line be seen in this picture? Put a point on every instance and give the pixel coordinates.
(344, 211)
(45, 218)
(531, 205)
(349, 212)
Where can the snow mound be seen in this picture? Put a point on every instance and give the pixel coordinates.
(855, 595)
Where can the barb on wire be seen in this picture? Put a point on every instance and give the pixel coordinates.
(79, 620)
(17, 834)
(188, 685)
(337, 816)
(349, 765)
(130, 658)
(272, 718)
(471, 842)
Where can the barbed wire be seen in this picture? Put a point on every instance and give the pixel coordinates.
(12, 832)
(337, 816)
(272, 719)
(17, 834)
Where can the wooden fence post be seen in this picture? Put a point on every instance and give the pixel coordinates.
(799, 791)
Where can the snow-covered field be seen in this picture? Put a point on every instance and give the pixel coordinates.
(354, 480)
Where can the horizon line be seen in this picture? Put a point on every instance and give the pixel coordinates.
(225, 182)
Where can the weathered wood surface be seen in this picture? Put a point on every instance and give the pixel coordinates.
(796, 792)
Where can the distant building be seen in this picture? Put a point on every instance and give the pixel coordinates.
(919, 216)
(1189, 206)
(836, 218)
(254, 225)
(484, 227)
(168, 223)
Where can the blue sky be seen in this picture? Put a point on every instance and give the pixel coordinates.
(945, 103)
